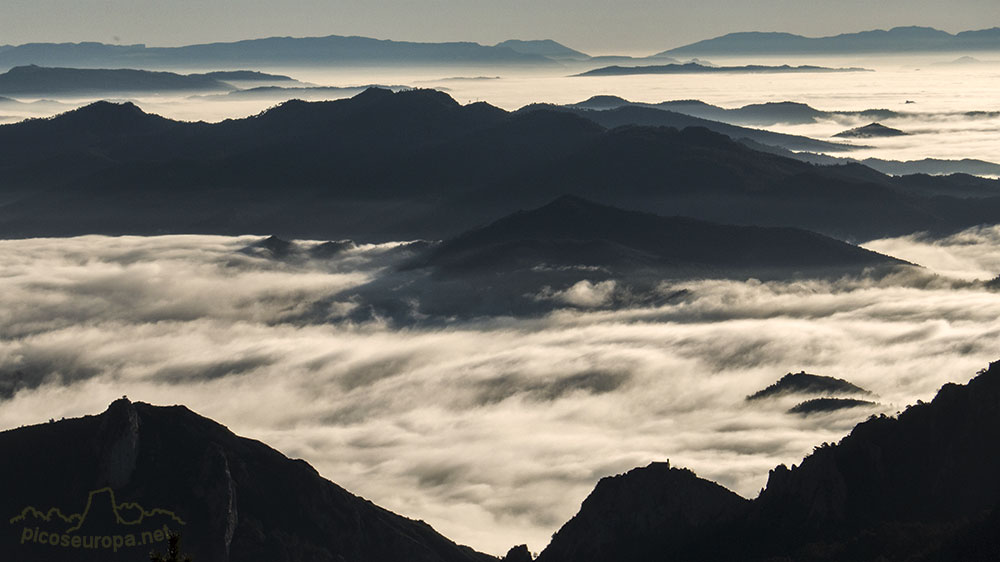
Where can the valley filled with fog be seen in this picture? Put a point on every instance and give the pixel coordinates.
(415, 383)
(492, 429)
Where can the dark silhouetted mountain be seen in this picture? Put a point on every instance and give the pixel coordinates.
(874, 130)
(644, 514)
(895, 40)
(231, 498)
(695, 68)
(572, 231)
(417, 165)
(544, 47)
(285, 51)
(921, 486)
(823, 405)
(37, 80)
(804, 383)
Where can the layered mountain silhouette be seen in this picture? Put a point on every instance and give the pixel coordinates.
(695, 68)
(895, 40)
(921, 486)
(36, 80)
(136, 468)
(417, 165)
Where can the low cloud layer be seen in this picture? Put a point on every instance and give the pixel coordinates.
(492, 430)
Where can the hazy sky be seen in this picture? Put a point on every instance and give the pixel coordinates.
(592, 25)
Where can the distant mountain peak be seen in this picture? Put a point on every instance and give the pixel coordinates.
(805, 383)
(874, 130)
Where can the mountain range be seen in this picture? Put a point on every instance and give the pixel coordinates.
(418, 165)
(366, 51)
(896, 40)
(271, 51)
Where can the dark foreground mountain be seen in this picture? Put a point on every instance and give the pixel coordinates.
(417, 165)
(895, 40)
(36, 80)
(921, 486)
(109, 479)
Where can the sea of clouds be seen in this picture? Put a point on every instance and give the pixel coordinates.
(492, 429)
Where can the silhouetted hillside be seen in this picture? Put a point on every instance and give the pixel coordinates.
(231, 498)
(918, 487)
(695, 68)
(895, 40)
(804, 383)
(37, 80)
(418, 165)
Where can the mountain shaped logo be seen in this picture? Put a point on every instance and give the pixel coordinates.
(104, 522)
